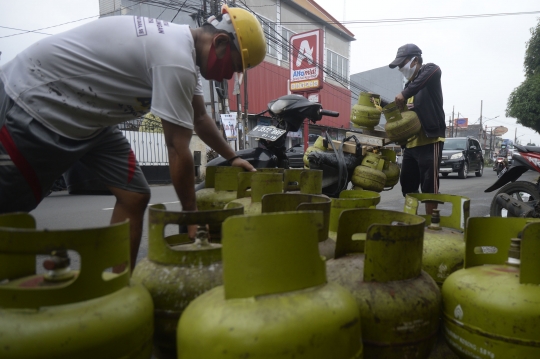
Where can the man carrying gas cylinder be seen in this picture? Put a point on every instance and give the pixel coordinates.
(61, 99)
(423, 95)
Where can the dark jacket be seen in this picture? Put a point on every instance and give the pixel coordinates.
(428, 99)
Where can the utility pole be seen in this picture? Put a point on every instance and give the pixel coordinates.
(246, 118)
(481, 103)
(515, 136)
(453, 121)
(491, 149)
(456, 126)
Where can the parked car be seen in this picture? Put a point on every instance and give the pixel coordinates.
(462, 155)
(296, 156)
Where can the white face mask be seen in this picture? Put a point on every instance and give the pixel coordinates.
(407, 70)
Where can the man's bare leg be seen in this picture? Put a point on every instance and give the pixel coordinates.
(130, 205)
(430, 206)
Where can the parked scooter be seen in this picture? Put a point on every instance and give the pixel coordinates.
(289, 112)
(518, 198)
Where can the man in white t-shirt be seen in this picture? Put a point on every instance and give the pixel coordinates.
(61, 98)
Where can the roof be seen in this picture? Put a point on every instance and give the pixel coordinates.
(316, 12)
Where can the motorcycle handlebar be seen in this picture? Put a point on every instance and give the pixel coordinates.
(329, 113)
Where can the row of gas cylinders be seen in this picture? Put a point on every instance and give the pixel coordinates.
(378, 170)
(304, 277)
(400, 126)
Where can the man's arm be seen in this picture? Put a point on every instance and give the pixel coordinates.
(430, 72)
(181, 163)
(208, 132)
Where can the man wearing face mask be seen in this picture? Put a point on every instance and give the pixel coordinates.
(423, 95)
(61, 99)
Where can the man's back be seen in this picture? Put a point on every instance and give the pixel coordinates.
(103, 73)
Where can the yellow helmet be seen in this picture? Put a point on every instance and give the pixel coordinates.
(247, 33)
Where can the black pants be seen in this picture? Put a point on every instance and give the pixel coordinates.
(420, 169)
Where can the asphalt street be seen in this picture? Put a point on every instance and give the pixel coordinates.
(61, 210)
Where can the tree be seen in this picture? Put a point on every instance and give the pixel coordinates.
(532, 53)
(151, 123)
(523, 103)
(531, 144)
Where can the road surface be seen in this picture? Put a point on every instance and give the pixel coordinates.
(62, 211)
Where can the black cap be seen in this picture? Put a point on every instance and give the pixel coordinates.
(403, 52)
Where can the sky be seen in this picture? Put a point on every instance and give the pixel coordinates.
(481, 58)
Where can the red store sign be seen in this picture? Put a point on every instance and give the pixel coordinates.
(306, 61)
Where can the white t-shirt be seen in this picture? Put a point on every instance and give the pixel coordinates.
(105, 72)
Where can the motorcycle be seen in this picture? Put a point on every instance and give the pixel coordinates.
(289, 112)
(500, 165)
(518, 198)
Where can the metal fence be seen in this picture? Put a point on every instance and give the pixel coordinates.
(145, 136)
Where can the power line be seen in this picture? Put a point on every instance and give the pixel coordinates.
(418, 19)
(34, 31)
(70, 22)
(284, 43)
(276, 40)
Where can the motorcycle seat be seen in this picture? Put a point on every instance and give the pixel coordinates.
(527, 148)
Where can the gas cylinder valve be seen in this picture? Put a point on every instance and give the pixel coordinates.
(514, 252)
(435, 220)
(58, 266)
(201, 238)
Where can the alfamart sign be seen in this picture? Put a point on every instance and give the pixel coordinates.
(306, 61)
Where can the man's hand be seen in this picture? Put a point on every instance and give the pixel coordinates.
(239, 162)
(400, 101)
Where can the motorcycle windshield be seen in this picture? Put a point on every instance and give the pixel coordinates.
(281, 104)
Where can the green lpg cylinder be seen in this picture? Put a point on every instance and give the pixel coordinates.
(444, 246)
(275, 301)
(390, 169)
(260, 183)
(307, 152)
(400, 125)
(364, 114)
(492, 306)
(287, 202)
(66, 314)
(178, 269)
(350, 199)
(399, 303)
(369, 174)
(392, 172)
(302, 180)
(221, 186)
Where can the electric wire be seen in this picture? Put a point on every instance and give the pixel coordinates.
(279, 40)
(166, 5)
(26, 31)
(276, 41)
(179, 10)
(419, 19)
(70, 22)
